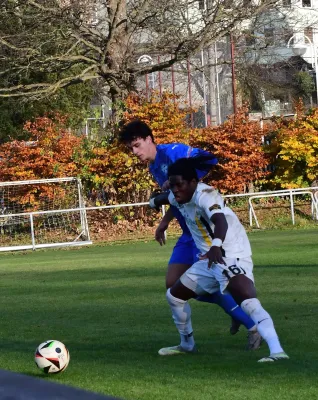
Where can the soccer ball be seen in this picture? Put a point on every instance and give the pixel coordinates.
(52, 357)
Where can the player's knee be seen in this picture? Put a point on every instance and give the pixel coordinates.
(250, 306)
(241, 288)
(173, 300)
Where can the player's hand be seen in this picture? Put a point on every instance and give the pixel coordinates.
(160, 233)
(214, 255)
(153, 195)
(165, 186)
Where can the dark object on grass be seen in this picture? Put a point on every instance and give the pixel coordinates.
(15, 386)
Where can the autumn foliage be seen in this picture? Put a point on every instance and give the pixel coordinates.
(238, 145)
(113, 167)
(50, 152)
(163, 113)
(294, 150)
(54, 151)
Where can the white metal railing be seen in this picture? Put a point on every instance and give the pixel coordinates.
(85, 230)
(10, 220)
(291, 193)
(312, 192)
(37, 181)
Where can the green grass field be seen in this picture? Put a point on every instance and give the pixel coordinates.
(107, 304)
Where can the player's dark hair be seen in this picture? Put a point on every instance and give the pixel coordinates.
(187, 167)
(134, 130)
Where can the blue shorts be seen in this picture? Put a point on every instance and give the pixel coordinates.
(185, 251)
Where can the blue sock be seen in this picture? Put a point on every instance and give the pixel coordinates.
(229, 305)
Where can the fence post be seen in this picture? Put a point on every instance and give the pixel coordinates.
(252, 213)
(163, 210)
(292, 206)
(32, 231)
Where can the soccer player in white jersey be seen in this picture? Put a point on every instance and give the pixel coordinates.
(225, 261)
(138, 137)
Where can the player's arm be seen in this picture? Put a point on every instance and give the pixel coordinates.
(220, 228)
(163, 226)
(212, 203)
(214, 255)
(195, 152)
(159, 199)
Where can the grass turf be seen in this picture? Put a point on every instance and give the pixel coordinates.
(107, 304)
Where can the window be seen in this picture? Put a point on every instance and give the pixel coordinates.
(282, 36)
(201, 4)
(286, 3)
(94, 15)
(309, 33)
(249, 38)
(306, 3)
(269, 36)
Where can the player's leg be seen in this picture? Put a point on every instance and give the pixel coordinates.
(226, 301)
(230, 306)
(181, 259)
(174, 271)
(237, 278)
(188, 286)
(183, 256)
(177, 298)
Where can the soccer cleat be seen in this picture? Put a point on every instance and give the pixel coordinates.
(254, 340)
(275, 357)
(176, 351)
(235, 327)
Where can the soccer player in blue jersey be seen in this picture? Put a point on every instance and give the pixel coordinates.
(138, 136)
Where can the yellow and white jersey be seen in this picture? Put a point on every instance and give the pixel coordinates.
(207, 201)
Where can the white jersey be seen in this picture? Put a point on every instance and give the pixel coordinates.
(205, 202)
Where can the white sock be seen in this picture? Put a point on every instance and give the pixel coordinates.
(264, 322)
(181, 314)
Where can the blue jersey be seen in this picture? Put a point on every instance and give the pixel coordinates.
(166, 155)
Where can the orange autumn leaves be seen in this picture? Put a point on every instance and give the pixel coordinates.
(48, 154)
(54, 151)
(237, 143)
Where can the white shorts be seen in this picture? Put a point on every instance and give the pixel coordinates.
(201, 280)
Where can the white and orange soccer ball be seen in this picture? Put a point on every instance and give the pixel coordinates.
(52, 357)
